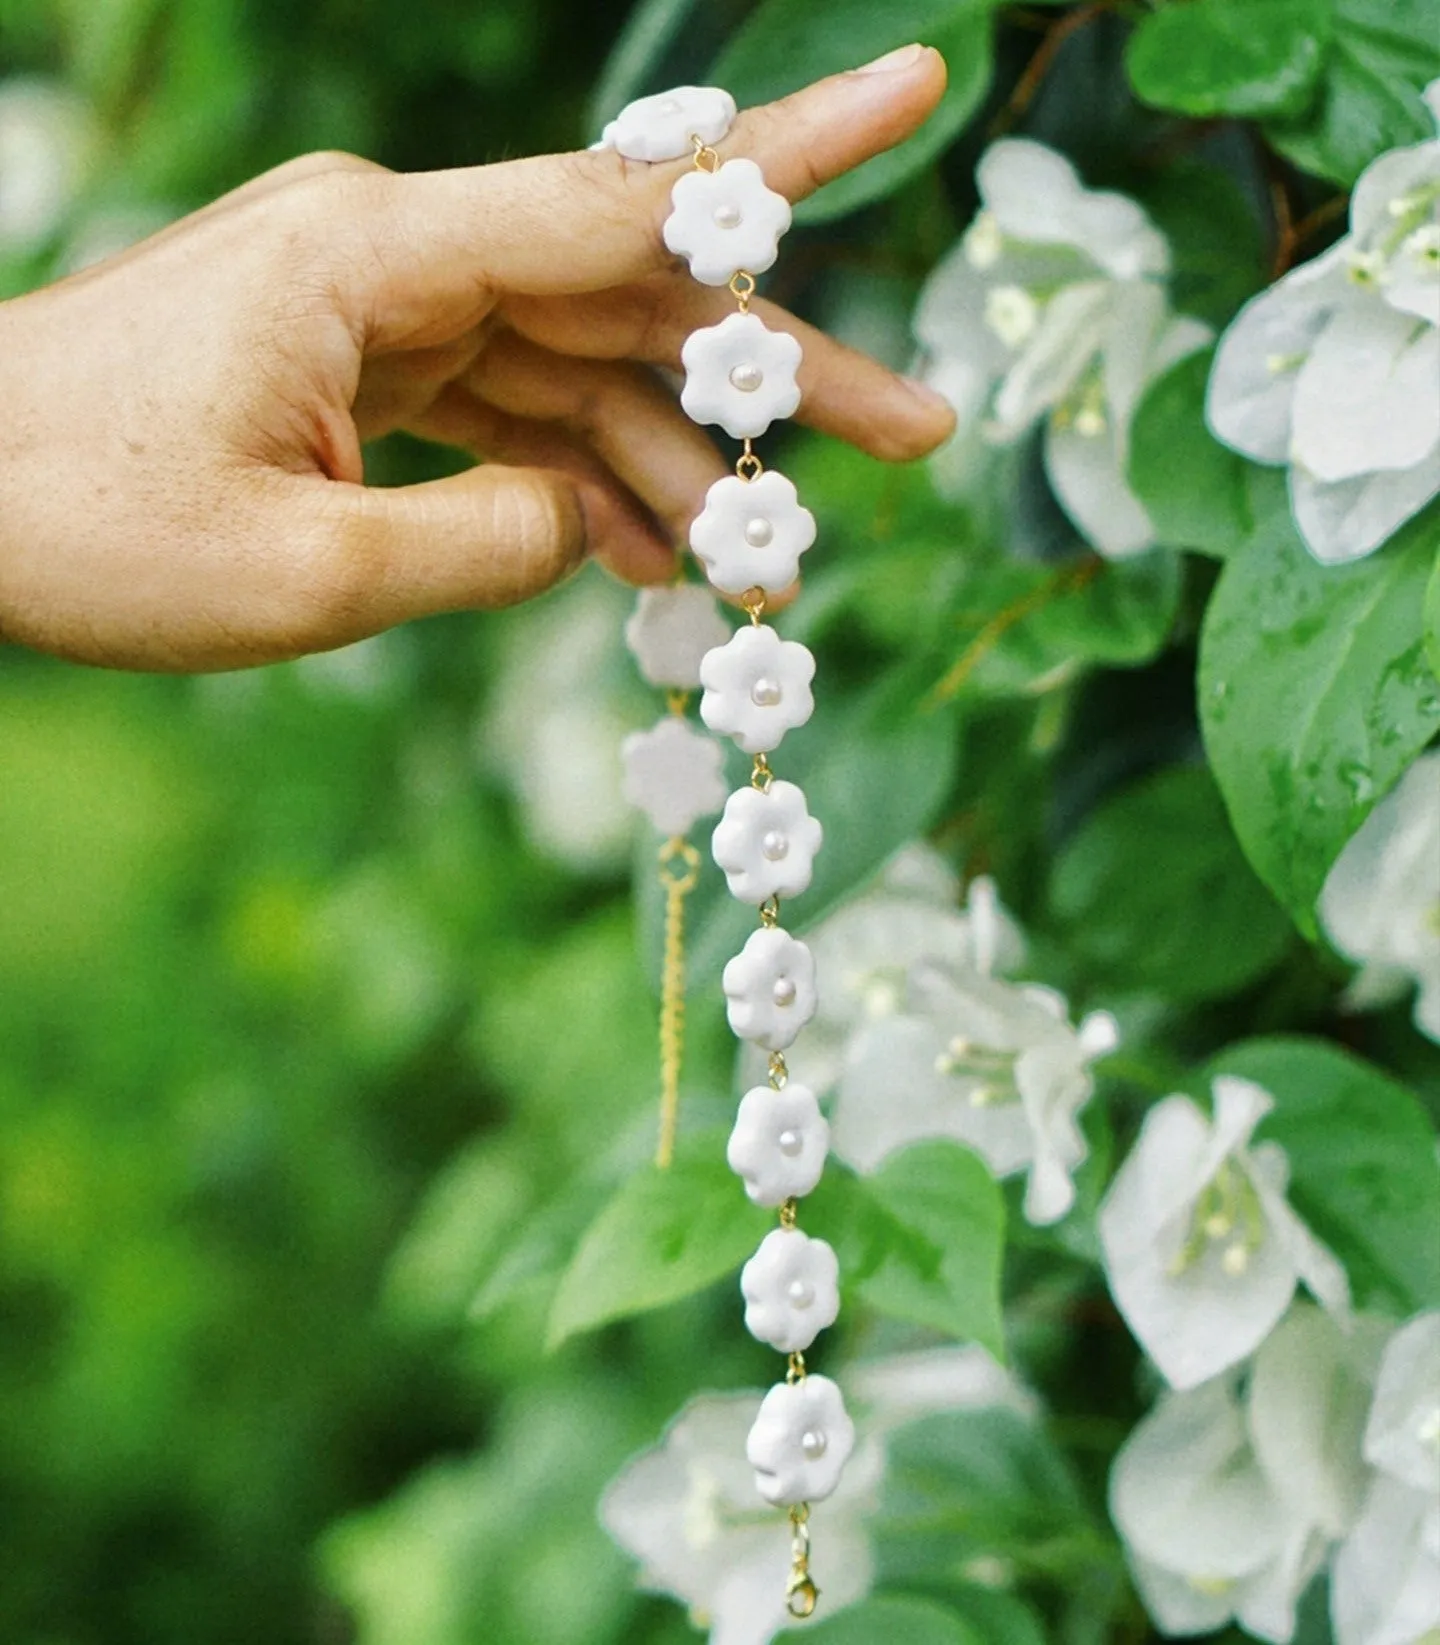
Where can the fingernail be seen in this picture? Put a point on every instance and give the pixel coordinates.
(901, 58)
(926, 395)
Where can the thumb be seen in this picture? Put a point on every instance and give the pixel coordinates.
(486, 538)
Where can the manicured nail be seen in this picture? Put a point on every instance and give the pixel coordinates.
(901, 58)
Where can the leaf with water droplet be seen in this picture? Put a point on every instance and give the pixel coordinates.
(1315, 691)
(1432, 618)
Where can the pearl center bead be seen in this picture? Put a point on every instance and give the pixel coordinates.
(759, 533)
(765, 693)
(783, 993)
(774, 846)
(747, 377)
(801, 1293)
(791, 1143)
(727, 216)
(812, 1443)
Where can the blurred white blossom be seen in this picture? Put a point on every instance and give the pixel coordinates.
(1229, 1506)
(1332, 371)
(1386, 1584)
(1201, 1249)
(45, 140)
(688, 1509)
(1381, 902)
(1054, 305)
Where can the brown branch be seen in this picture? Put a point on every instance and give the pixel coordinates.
(1042, 61)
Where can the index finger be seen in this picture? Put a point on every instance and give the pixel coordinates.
(564, 223)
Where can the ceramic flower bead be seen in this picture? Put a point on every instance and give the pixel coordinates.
(663, 127)
(791, 1288)
(770, 989)
(672, 774)
(726, 220)
(670, 630)
(740, 374)
(799, 1442)
(766, 843)
(779, 1143)
(757, 687)
(751, 533)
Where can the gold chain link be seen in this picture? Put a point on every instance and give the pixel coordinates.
(679, 873)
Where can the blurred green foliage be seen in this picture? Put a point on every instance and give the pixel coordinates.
(316, 1068)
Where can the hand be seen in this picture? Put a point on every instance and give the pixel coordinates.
(181, 484)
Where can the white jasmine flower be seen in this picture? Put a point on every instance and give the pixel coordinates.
(1381, 901)
(1332, 371)
(1402, 1436)
(45, 136)
(994, 1065)
(1201, 1249)
(1053, 307)
(1207, 1536)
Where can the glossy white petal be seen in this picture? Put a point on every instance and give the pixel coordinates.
(751, 533)
(1385, 1584)
(741, 375)
(800, 1441)
(726, 220)
(770, 989)
(1348, 519)
(779, 1143)
(670, 630)
(1250, 398)
(672, 774)
(1365, 399)
(1402, 1434)
(766, 843)
(662, 127)
(757, 687)
(1381, 902)
(791, 1288)
(1087, 474)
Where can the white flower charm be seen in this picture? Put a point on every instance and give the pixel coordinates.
(1381, 902)
(766, 842)
(686, 1510)
(1201, 1249)
(751, 533)
(779, 1143)
(740, 374)
(770, 988)
(799, 1441)
(757, 687)
(663, 127)
(991, 1064)
(671, 630)
(1332, 371)
(726, 220)
(791, 1288)
(1053, 306)
(1385, 1588)
(672, 774)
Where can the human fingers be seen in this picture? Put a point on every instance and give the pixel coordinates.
(623, 534)
(843, 392)
(429, 252)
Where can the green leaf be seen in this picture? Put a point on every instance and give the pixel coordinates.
(1193, 488)
(1242, 58)
(1194, 923)
(1362, 1158)
(1382, 55)
(1029, 628)
(1314, 692)
(902, 1619)
(1432, 619)
(664, 1236)
(875, 769)
(648, 34)
(922, 1240)
(1217, 239)
(785, 44)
